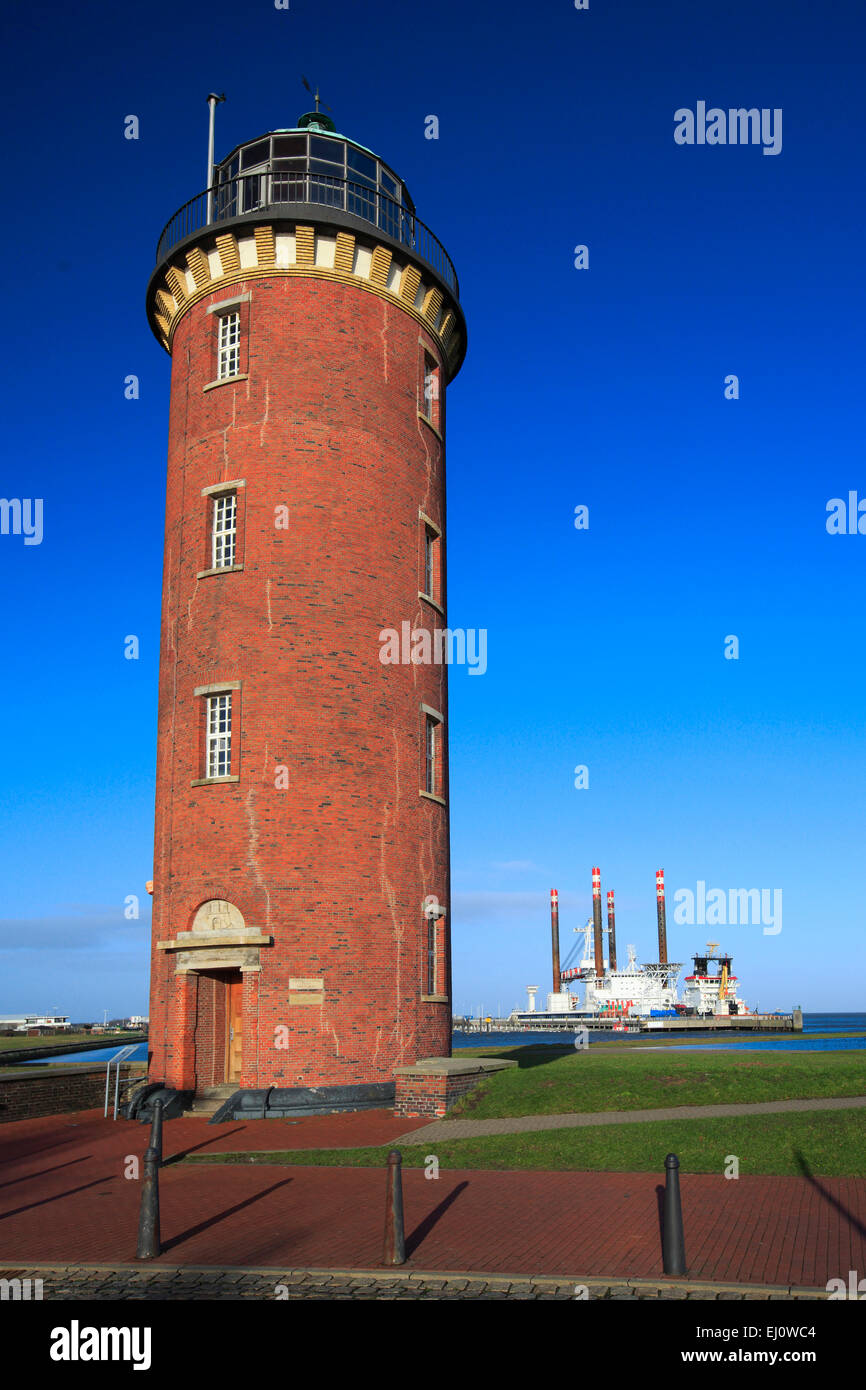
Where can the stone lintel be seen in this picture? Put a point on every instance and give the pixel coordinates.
(187, 940)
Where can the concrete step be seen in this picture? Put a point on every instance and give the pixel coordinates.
(208, 1099)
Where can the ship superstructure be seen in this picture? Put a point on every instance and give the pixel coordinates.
(632, 991)
(615, 996)
(709, 991)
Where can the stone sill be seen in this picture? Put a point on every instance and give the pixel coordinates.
(434, 998)
(430, 797)
(223, 569)
(214, 781)
(428, 422)
(426, 598)
(226, 381)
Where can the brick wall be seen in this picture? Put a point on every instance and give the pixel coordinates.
(336, 867)
(421, 1094)
(28, 1097)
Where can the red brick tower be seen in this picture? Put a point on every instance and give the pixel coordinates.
(301, 860)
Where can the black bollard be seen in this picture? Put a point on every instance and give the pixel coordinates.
(148, 1217)
(156, 1129)
(673, 1241)
(395, 1244)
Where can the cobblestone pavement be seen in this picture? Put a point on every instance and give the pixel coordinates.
(123, 1283)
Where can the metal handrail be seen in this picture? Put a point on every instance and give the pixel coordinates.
(248, 194)
(116, 1060)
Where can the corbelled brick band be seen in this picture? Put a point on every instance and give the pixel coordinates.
(321, 849)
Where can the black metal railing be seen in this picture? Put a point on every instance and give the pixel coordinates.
(251, 193)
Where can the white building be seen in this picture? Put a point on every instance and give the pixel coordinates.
(21, 1022)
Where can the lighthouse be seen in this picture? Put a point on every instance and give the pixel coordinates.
(301, 898)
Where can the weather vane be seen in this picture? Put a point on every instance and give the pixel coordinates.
(314, 94)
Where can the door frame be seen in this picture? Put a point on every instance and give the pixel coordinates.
(234, 992)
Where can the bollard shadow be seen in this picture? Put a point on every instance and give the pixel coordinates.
(660, 1198)
(193, 1148)
(422, 1231)
(28, 1177)
(832, 1201)
(167, 1245)
(58, 1197)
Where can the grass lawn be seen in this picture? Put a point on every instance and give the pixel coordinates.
(819, 1144)
(551, 1081)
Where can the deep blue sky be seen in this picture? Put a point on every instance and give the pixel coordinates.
(602, 387)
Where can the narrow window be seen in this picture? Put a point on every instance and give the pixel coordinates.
(430, 579)
(431, 755)
(229, 350)
(219, 735)
(430, 539)
(430, 408)
(431, 955)
(225, 528)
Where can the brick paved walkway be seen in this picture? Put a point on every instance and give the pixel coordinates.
(107, 1283)
(442, 1130)
(64, 1199)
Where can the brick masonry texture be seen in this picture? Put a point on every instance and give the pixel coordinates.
(790, 1232)
(28, 1097)
(334, 868)
(431, 1095)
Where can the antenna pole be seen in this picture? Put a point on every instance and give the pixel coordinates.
(212, 101)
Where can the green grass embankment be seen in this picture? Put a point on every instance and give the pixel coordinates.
(819, 1144)
(553, 1081)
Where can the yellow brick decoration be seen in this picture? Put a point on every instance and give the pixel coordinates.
(229, 254)
(432, 304)
(344, 255)
(199, 266)
(174, 298)
(177, 283)
(305, 243)
(409, 283)
(380, 265)
(266, 253)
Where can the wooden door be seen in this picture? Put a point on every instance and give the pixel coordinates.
(234, 1025)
